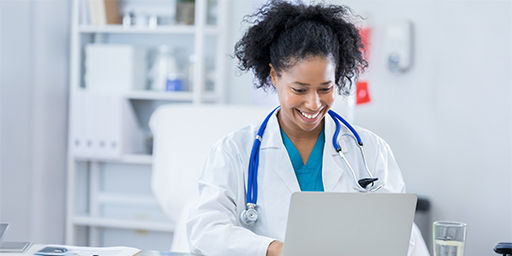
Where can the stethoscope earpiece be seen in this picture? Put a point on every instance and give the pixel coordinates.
(504, 249)
(367, 181)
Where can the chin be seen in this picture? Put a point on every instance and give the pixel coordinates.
(308, 127)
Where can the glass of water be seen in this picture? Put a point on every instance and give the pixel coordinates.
(449, 238)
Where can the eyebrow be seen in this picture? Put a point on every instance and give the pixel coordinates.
(306, 84)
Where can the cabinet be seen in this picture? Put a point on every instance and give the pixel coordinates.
(109, 200)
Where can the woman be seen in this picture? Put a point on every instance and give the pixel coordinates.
(308, 54)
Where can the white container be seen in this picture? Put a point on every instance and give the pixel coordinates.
(115, 68)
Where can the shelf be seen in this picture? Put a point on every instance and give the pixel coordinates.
(162, 226)
(120, 29)
(159, 95)
(117, 199)
(125, 159)
(166, 96)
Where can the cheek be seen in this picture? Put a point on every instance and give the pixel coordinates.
(284, 96)
(281, 96)
(291, 100)
(328, 99)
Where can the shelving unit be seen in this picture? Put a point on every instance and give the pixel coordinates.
(111, 192)
(141, 159)
(168, 96)
(119, 29)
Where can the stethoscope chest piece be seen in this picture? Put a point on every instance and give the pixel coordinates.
(249, 216)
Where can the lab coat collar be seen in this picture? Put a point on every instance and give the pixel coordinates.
(329, 129)
(332, 167)
(272, 143)
(272, 135)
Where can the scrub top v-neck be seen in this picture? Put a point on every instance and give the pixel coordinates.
(309, 175)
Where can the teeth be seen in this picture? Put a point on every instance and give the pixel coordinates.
(310, 116)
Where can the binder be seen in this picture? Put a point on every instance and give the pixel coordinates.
(105, 126)
(102, 12)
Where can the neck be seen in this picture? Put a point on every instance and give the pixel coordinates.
(296, 133)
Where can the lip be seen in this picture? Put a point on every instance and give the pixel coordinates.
(310, 120)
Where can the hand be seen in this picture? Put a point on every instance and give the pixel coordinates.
(275, 248)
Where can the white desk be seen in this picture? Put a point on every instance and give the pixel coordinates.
(30, 251)
(36, 247)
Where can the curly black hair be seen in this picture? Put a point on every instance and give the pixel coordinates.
(283, 33)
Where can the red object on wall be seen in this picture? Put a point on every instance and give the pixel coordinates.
(362, 93)
(365, 33)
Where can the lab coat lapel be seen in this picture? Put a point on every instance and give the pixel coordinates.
(333, 168)
(277, 158)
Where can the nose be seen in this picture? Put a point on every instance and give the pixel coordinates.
(313, 101)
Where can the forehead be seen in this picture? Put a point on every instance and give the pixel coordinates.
(312, 68)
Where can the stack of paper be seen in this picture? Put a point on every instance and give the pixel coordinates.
(103, 251)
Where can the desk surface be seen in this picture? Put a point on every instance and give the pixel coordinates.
(159, 253)
(36, 247)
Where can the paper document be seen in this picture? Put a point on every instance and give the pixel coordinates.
(100, 251)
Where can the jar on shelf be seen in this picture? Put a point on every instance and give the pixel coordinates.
(185, 12)
(164, 73)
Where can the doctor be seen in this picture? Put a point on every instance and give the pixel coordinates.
(308, 54)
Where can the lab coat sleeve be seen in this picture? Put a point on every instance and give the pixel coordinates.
(389, 169)
(395, 183)
(417, 246)
(213, 224)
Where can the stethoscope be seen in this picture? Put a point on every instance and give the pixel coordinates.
(250, 215)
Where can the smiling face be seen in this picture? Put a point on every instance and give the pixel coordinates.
(306, 92)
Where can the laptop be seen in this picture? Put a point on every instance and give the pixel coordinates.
(349, 224)
(3, 227)
(11, 247)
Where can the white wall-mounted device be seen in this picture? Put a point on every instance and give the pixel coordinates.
(400, 45)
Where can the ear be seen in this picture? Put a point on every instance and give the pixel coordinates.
(273, 75)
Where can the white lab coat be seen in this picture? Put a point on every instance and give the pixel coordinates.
(214, 226)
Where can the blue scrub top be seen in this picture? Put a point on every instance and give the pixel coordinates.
(309, 175)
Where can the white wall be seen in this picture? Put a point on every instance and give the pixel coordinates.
(33, 113)
(15, 117)
(239, 90)
(448, 120)
(50, 73)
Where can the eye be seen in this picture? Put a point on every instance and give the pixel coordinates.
(298, 90)
(326, 89)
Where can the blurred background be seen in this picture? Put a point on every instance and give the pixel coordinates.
(80, 79)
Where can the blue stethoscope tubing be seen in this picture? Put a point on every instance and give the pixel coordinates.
(249, 216)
